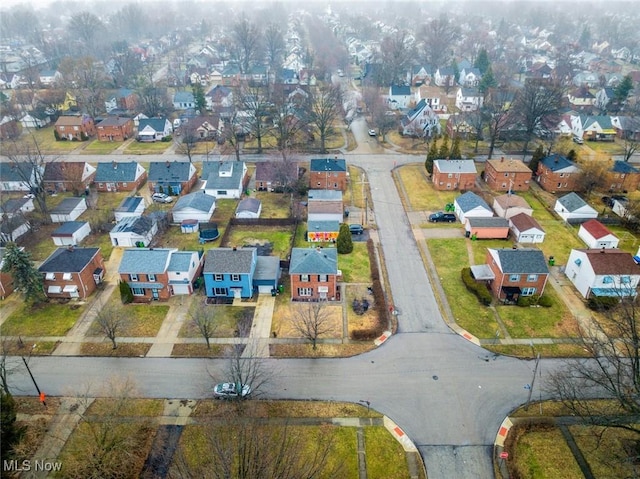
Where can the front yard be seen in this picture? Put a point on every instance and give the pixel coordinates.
(45, 319)
(420, 193)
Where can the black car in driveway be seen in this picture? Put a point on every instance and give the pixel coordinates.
(356, 229)
(442, 217)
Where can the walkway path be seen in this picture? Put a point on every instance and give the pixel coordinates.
(260, 333)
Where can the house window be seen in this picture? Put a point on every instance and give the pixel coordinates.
(217, 277)
(322, 278)
(335, 185)
(220, 292)
(561, 175)
(235, 277)
(152, 277)
(625, 279)
(137, 291)
(306, 292)
(528, 291)
(133, 277)
(450, 175)
(514, 277)
(222, 192)
(304, 278)
(100, 185)
(559, 185)
(578, 261)
(607, 280)
(66, 276)
(506, 174)
(532, 277)
(50, 276)
(318, 183)
(62, 128)
(124, 185)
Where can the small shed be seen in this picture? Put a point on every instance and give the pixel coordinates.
(189, 226)
(470, 205)
(510, 205)
(131, 206)
(597, 236)
(249, 208)
(69, 209)
(526, 229)
(487, 228)
(71, 233)
(574, 209)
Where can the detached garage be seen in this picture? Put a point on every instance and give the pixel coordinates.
(267, 274)
(487, 228)
(71, 233)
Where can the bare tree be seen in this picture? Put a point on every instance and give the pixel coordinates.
(203, 317)
(245, 44)
(187, 140)
(438, 36)
(274, 46)
(86, 27)
(111, 321)
(496, 112)
(312, 320)
(326, 107)
(254, 109)
(290, 119)
(592, 176)
(396, 54)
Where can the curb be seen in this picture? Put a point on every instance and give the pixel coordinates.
(382, 338)
(503, 432)
(399, 435)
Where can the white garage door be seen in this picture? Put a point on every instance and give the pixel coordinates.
(265, 288)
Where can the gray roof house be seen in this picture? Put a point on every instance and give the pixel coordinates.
(19, 176)
(68, 210)
(224, 179)
(154, 129)
(119, 176)
(313, 273)
(572, 208)
(471, 205)
(16, 206)
(71, 233)
(249, 208)
(314, 261)
(194, 206)
(133, 231)
(171, 177)
(130, 206)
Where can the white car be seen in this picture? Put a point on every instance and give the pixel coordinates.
(231, 390)
(161, 198)
(372, 133)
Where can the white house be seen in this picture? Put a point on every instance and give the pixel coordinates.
(470, 205)
(399, 96)
(12, 229)
(597, 236)
(224, 179)
(71, 233)
(469, 99)
(31, 120)
(194, 206)
(603, 272)
(19, 176)
(525, 229)
(16, 207)
(420, 121)
(68, 210)
(184, 267)
(131, 206)
(133, 232)
(571, 207)
(249, 208)
(154, 129)
(508, 205)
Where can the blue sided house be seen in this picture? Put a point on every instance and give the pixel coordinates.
(228, 272)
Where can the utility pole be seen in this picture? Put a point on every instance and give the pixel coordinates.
(533, 380)
(40, 393)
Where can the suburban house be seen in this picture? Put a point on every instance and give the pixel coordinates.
(48, 78)
(557, 174)
(470, 205)
(204, 128)
(16, 207)
(133, 231)
(325, 205)
(322, 231)
(487, 227)
(159, 273)
(509, 205)
(72, 272)
(454, 174)
(71, 233)
(597, 236)
(68, 176)
(420, 121)
(74, 128)
(35, 120)
(507, 175)
(122, 99)
(6, 280)
(526, 229)
(9, 128)
(313, 274)
(517, 272)
(131, 206)
(328, 174)
(228, 272)
(219, 96)
(171, 177)
(194, 206)
(574, 209)
(593, 128)
(399, 96)
(19, 176)
(115, 128)
(11, 229)
(249, 208)
(224, 179)
(459, 125)
(276, 175)
(420, 75)
(469, 77)
(444, 76)
(433, 96)
(183, 100)
(622, 177)
(581, 98)
(154, 129)
(68, 210)
(603, 272)
(117, 176)
(469, 99)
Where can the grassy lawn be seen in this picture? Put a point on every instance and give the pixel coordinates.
(97, 147)
(543, 453)
(132, 407)
(450, 256)
(227, 319)
(357, 187)
(144, 319)
(144, 148)
(47, 319)
(629, 242)
(545, 350)
(225, 210)
(47, 141)
(385, 457)
(274, 205)
(278, 237)
(173, 237)
(359, 321)
(420, 191)
(355, 265)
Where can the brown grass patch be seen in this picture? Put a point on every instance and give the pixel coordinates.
(198, 351)
(17, 348)
(283, 322)
(365, 321)
(123, 350)
(264, 409)
(322, 351)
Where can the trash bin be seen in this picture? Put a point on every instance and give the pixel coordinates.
(552, 261)
(467, 234)
(346, 213)
(280, 288)
(274, 292)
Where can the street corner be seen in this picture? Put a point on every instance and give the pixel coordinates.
(400, 436)
(382, 338)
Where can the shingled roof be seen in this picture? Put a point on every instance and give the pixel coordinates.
(229, 260)
(314, 261)
(520, 261)
(68, 260)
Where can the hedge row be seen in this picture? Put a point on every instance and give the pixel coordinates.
(477, 288)
(380, 304)
(535, 300)
(603, 303)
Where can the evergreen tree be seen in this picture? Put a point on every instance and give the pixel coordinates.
(126, 295)
(621, 93)
(432, 155)
(198, 97)
(26, 277)
(456, 70)
(344, 243)
(444, 147)
(455, 149)
(585, 38)
(482, 61)
(572, 155)
(10, 432)
(487, 81)
(535, 159)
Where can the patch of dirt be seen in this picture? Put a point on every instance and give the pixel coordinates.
(283, 321)
(106, 350)
(199, 351)
(322, 351)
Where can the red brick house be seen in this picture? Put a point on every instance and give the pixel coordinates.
(115, 128)
(68, 176)
(328, 174)
(557, 174)
(622, 176)
(72, 272)
(313, 273)
(119, 176)
(454, 174)
(75, 128)
(516, 272)
(505, 175)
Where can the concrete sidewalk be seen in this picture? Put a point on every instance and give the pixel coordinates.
(260, 334)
